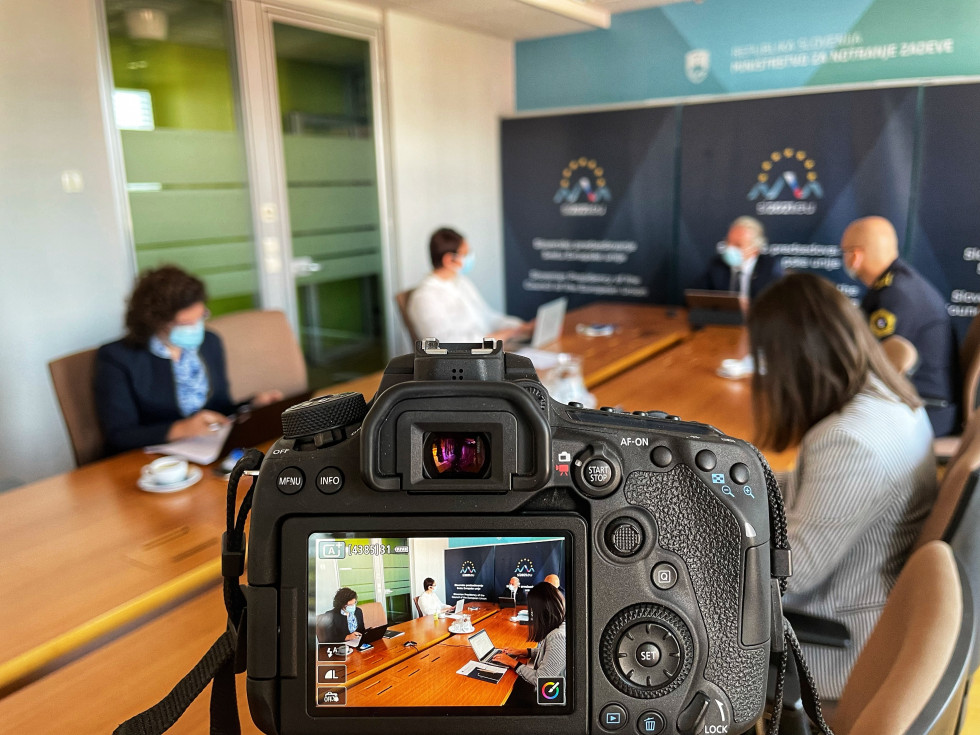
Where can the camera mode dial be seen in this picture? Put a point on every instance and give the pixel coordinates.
(646, 651)
(322, 415)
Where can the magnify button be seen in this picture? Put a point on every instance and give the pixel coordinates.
(728, 491)
(748, 491)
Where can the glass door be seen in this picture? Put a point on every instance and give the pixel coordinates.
(312, 105)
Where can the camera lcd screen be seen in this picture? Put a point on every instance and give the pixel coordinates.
(459, 621)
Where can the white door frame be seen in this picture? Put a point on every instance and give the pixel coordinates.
(261, 127)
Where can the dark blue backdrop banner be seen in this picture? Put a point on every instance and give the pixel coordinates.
(588, 207)
(530, 563)
(805, 166)
(946, 237)
(469, 573)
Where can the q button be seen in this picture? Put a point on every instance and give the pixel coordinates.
(330, 480)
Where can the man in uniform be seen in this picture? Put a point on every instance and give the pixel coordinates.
(900, 301)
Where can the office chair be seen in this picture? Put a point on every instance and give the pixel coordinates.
(901, 354)
(374, 614)
(911, 676)
(402, 298)
(955, 490)
(947, 446)
(73, 377)
(261, 353)
(417, 608)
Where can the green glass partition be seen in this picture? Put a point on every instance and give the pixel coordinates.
(186, 176)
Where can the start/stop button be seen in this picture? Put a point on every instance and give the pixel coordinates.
(596, 472)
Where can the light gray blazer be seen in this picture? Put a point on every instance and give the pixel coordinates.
(865, 478)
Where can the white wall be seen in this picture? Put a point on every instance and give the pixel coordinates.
(447, 89)
(428, 560)
(64, 269)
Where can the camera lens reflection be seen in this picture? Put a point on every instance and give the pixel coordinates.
(457, 454)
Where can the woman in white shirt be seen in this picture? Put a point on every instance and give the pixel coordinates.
(429, 604)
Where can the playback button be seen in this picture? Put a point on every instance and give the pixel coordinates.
(613, 717)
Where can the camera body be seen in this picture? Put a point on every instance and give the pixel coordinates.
(463, 470)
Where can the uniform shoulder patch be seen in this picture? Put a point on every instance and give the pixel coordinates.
(882, 323)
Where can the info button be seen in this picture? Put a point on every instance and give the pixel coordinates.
(330, 480)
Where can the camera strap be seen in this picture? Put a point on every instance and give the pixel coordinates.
(787, 644)
(219, 663)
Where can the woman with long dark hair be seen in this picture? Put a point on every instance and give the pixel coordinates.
(865, 474)
(546, 627)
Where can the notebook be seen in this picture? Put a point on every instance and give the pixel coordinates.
(713, 307)
(248, 428)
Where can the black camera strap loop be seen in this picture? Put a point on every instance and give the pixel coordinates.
(218, 664)
(782, 568)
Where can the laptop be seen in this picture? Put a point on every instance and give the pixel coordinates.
(713, 307)
(457, 611)
(372, 634)
(548, 325)
(248, 428)
(506, 602)
(483, 647)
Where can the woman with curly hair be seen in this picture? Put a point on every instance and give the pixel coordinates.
(165, 379)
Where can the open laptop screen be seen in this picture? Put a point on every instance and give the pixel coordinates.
(481, 644)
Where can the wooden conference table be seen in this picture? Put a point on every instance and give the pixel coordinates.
(85, 552)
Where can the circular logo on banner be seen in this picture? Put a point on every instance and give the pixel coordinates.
(583, 189)
(787, 183)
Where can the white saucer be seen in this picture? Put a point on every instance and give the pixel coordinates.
(194, 474)
(456, 629)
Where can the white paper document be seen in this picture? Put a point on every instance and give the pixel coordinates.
(198, 449)
(485, 672)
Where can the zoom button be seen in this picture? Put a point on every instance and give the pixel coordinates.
(739, 473)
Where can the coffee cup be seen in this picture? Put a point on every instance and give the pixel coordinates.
(166, 471)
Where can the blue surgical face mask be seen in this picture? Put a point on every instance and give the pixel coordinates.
(349, 609)
(732, 256)
(467, 265)
(187, 336)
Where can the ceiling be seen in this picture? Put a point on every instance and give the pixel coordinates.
(511, 19)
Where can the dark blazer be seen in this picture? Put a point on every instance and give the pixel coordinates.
(136, 396)
(767, 270)
(331, 626)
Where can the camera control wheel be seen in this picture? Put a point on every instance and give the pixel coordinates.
(324, 414)
(646, 651)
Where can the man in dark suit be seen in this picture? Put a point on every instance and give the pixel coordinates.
(741, 265)
(344, 622)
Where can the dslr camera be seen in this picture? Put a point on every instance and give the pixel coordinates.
(464, 474)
